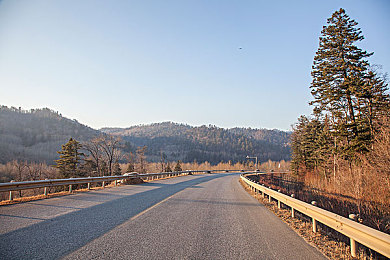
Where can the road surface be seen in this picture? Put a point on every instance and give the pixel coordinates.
(190, 217)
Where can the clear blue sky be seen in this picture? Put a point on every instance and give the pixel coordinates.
(121, 63)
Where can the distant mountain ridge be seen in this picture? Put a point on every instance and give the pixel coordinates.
(37, 135)
(206, 143)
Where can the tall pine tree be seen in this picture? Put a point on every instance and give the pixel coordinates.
(341, 85)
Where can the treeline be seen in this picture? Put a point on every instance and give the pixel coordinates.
(344, 145)
(103, 156)
(81, 166)
(206, 143)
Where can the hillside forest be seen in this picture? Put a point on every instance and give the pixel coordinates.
(205, 143)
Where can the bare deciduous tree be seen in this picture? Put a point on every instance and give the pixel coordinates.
(110, 146)
(163, 161)
(104, 152)
(96, 153)
(20, 169)
(141, 159)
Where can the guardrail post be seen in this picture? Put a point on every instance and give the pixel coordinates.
(89, 184)
(352, 241)
(115, 183)
(278, 204)
(45, 190)
(103, 184)
(10, 192)
(70, 188)
(269, 198)
(314, 225)
(292, 213)
(314, 203)
(353, 247)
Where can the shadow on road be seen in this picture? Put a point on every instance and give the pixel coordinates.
(14, 216)
(214, 202)
(57, 237)
(155, 184)
(53, 206)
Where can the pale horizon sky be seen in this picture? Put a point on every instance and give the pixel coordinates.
(123, 63)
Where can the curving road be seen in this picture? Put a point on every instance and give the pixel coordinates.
(190, 217)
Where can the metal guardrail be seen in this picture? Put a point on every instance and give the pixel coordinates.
(356, 232)
(24, 185)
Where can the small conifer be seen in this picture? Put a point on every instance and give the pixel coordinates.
(70, 159)
(178, 167)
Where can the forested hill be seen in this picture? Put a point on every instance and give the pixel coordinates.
(206, 143)
(37, 134)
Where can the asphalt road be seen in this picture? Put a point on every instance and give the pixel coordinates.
(190, 217)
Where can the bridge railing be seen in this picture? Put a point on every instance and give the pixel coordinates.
(24, 185)
(356, 232)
